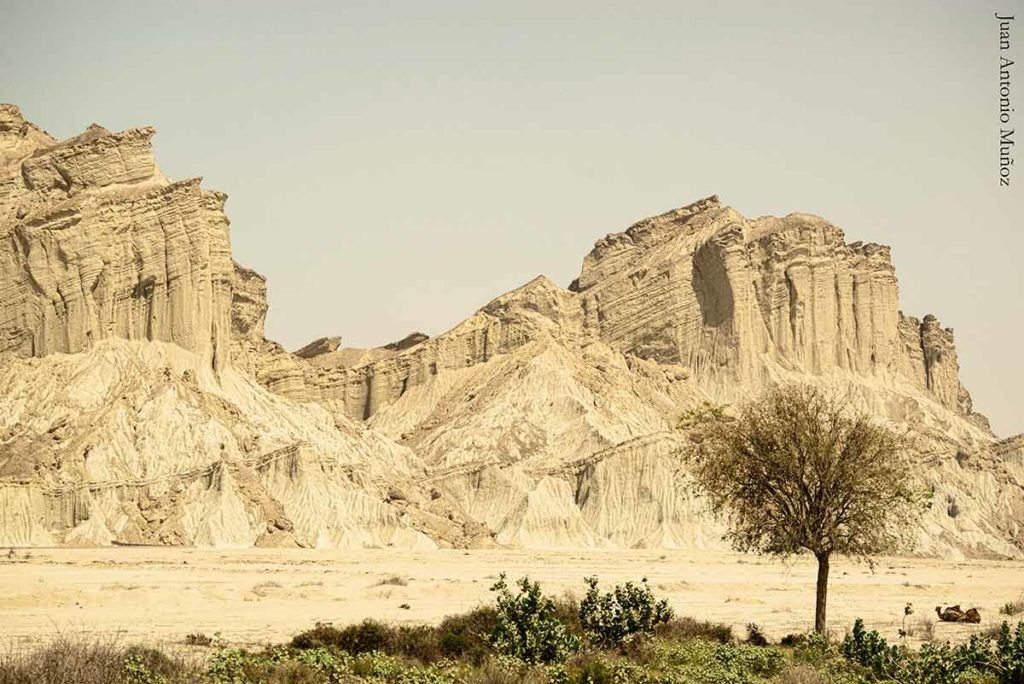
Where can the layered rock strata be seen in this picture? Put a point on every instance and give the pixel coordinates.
(123, 418)
(732, 302)
(140, 401)
(698, 304)
(96, 243)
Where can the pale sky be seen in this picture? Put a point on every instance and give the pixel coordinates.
(392, 166)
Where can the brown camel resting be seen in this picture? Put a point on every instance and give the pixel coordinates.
(955, 614)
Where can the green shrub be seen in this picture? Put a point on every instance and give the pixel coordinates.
(198, 639)
(527, 627)
(593, 671)
(685, 628)
(871, 650)
(229, 666)
(755, 635)
(973, 661)
(368, 635)
(1009, 654)
(813, 648)
(468, 635)
(276, 665)
(143, 665)
(567, 610)
(322, 635)
(628, 610)
(703, 661)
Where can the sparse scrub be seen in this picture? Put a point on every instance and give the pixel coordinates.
(755, 635)
(627, 611)
(528, 627)
(923, 629)
(392, 581)
(1011, 608)
(70, 661)
(198, 639)
(264, 589)
(685, 628)
(531, 638)
(802, 674)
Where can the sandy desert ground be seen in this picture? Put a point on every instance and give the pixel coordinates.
(159, 595)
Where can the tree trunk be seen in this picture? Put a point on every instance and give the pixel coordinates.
(822, 594)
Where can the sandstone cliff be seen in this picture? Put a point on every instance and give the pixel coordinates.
(732, 303)
(122, 416)
(140, 401)
(95, 242)
(549, 413)
(733, 300)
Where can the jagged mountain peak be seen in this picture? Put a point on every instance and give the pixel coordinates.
(141, 401)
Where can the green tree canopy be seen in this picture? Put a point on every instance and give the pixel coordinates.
(799, 470)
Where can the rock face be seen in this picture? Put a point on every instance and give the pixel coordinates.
(96, 243)
(122, 416)
(134, 442)
(323, 345)
(500, 327)
(733, 300)
(546, 419)
(548, 415)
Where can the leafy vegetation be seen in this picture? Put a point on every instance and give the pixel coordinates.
(979, 659)
(629, 610)
(799, 471)
(528, 628)
(623, 636)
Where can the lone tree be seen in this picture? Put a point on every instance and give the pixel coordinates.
(799, 471)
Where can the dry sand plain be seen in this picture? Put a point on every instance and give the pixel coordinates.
(251, 596)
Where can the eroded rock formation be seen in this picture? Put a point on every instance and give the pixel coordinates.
(142, 429)
(95, 243)
(547, 418)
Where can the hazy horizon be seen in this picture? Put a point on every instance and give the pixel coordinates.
(392, 167)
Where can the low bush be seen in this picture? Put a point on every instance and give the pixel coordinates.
(792, 640)
(527, 625)
(531, 638)
(364, 637)
(69, 661)
(627, 611)
(1012, 608)
(685, 628)
(755, 635)
(198, 639)
(705, 661)
(420, 642)
(468, 635)
(324, 634)
(977, 660)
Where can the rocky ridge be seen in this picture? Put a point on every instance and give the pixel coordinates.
(143, 403)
